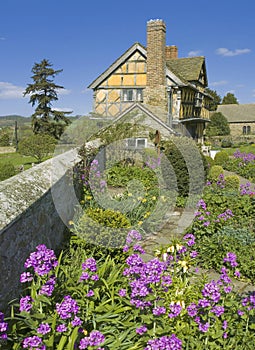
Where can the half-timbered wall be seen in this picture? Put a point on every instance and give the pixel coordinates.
(123, 87)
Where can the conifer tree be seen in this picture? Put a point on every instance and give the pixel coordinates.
(42, 93)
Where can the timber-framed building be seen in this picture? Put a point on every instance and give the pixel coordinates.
(172, 88)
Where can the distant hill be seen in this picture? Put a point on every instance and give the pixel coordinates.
(9, 120)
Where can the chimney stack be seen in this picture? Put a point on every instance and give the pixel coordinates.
(155, 92)
(171, 52)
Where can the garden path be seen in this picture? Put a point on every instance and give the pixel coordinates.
(170, 231)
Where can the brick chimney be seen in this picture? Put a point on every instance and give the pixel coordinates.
(155, 91)
(171, 52)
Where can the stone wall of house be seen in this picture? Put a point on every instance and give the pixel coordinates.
(236, 129)
(35, 207)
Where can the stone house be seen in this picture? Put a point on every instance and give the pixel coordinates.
(172, 88)
(241, 118)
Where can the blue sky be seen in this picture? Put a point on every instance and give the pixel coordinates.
(84, 37)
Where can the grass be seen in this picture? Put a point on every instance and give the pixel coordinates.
(17, 160)
(242, 148)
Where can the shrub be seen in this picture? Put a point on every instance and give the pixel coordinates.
(38, 146)
(4, 139)
(6, 170)
(188, 163)
(215, 172)
(210, 161)
(106, 228)
(226, 143)
(232, 182)
(221, 158)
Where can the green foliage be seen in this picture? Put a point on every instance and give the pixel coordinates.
(226, 143)
(189, 165)
(4, 139)
(216, 99)
(232, 182)
(218, 125)
(6, 170)
(229, 98)
(43, 92)
(106, 228)
(37, 146)
(215, 172)
(120, 175)
(221, 158)
(210, 161)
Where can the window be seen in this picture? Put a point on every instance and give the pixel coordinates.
(138, 143)
(132, 95)
(246, 130)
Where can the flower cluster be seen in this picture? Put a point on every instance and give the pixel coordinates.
(95, 338)
(171, 343)
(3, 327)
(33, 342)
(25, 304)
(68, 308)
(244, 157)
(42, 261)
(245, 189)
(132, 239)
(48, 287)
(88, 269)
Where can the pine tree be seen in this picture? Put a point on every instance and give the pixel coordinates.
(43, 92)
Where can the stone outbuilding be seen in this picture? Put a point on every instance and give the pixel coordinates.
(241, 118)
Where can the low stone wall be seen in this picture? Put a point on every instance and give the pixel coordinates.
(35, 207)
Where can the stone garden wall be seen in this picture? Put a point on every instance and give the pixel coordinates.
(35, 207)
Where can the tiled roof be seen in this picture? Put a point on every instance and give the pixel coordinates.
(186, 68)
(238, 113)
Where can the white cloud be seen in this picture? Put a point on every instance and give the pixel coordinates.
(10, 91)
(2, 38)
(194, 53)
(222, 51)
(62, 109)
(63, 92)
(218, 83)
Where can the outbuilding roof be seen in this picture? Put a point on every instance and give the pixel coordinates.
(236, 113)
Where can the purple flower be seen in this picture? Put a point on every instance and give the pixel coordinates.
(67, 307)
(48, 287)
(42, 261)
(225, 325)
(204, 303)
(231, 258)
(192, 310)
(76, 321)
(122, 292)
(61, 328)
(175, 310)
(218, 310)
(44, 328)
(133, 236)
(25, 304)
(193, 254)
(165, 342)
(95, 338)
(201, 203)
(141, 330)
(26, 277)
(90, 264)
(90, 293)
(212, 291)
(203, 327)
(33, 342)
(159, 310)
